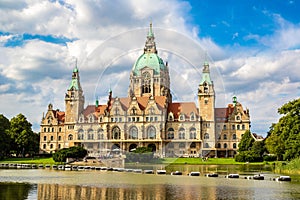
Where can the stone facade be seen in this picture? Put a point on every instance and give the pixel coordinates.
(147, 117)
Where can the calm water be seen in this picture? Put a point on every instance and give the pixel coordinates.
(52, 184)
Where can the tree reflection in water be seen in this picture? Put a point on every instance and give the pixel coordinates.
(16, 191)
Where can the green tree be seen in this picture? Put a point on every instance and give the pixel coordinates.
(249, 149)
(284, 136)
(72, 152)
(4, 137)
(246, 142)
(23, 139)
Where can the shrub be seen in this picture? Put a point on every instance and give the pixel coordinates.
(72, 152)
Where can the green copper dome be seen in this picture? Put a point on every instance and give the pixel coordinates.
(150, 60)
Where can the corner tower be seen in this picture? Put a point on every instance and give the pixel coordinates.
(150, 75)
(74, 99)
(206, 100)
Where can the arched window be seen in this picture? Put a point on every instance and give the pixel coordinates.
(90, 134)
(233, 127)
(224, 137)
(181, 133)
(243, 127)
(100, 135)
(51, 138)
(59, 146)
(193, 145)
(225, 145)
(146, 82)
(206, 136)
(44, 146)
(51, 146)
(206, 145)
(133, 132)
(70, 137)
(181, 145)
(234, 136)
(80, 135)
(192, 133)
(59, 138)
(234, 145)
(238, 127)
(151, 133)
(218, 145)
(116, 133)
(45, 138)
(224, 127)
(170, 133)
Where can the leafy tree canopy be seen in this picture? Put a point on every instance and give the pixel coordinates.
(4, 137)
(246, 142)
(284, 137)
(23, 139)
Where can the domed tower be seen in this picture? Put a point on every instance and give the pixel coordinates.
(150, 75)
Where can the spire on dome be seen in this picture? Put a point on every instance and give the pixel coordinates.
(150, 33)
(150, 46)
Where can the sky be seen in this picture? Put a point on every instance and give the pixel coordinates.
(253, 48)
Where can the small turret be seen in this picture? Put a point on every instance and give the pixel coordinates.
(234, 100)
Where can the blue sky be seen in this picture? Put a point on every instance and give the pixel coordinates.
(253, 46)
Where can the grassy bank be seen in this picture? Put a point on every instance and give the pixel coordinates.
(29, 160)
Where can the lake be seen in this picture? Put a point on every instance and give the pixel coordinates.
(57, 184)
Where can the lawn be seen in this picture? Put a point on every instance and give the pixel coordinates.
(29, 160)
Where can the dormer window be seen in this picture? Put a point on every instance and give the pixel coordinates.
(81, 119)
(171, 117)
(192, 116)
(91, 119)
(181, 117)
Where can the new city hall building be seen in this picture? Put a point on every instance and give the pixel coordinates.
(147, 117)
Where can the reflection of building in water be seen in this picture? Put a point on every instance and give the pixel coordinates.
(147, 117)
(139, 192)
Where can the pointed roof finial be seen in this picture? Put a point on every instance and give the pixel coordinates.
(150, 33)
(76, 68)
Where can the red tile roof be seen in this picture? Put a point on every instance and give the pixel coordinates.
(182, 107)
(142, 102)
